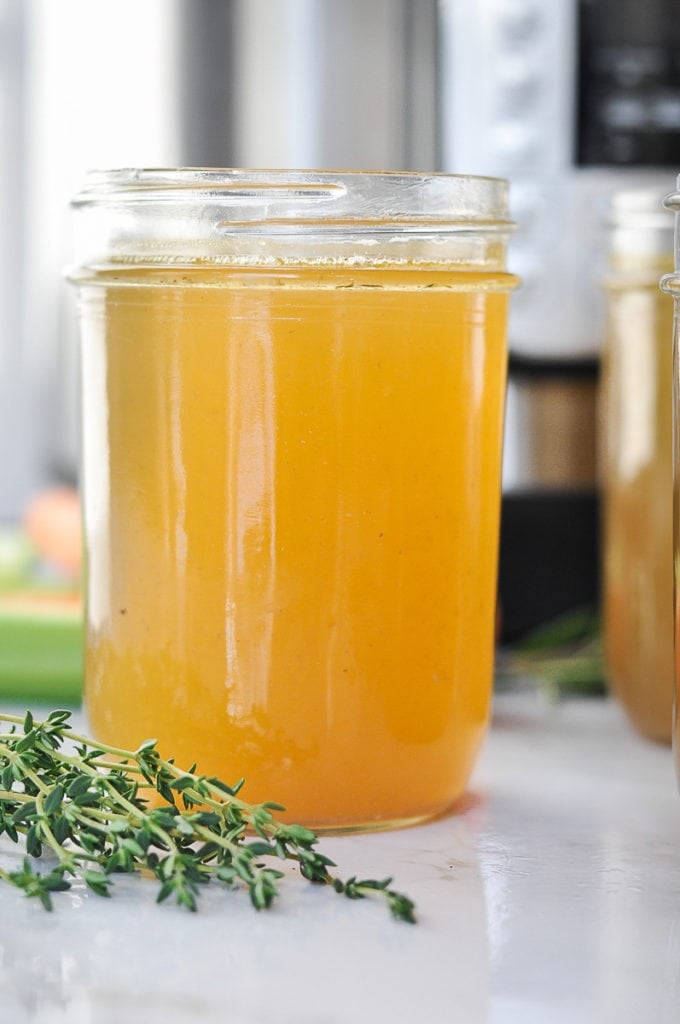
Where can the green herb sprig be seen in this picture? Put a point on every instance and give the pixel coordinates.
(87, 808)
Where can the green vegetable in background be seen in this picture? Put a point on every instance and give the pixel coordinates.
(563, 656)
(41, 653)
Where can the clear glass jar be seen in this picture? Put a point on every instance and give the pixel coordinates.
(671, 284)
(637, 463)
(293, 398)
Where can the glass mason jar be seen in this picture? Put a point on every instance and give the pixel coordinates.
(637, 463)
(671, 284)
(293, 402)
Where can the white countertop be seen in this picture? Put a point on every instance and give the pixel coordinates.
(554, 898)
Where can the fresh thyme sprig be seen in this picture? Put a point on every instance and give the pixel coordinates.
(87, 809)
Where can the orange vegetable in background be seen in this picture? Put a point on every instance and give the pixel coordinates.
(53, 524)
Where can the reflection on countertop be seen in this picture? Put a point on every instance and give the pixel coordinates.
(552, 896)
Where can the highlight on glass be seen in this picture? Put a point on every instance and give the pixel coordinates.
(671, 284)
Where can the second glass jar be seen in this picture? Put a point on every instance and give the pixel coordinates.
(637, 463)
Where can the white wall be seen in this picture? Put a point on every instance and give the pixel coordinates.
(98, 86)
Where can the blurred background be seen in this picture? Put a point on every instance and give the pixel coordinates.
(572, 100)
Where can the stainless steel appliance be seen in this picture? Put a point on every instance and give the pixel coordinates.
(571, 100)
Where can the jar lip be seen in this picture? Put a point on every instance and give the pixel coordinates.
(315, 196)
(672, 200)
(670, 283)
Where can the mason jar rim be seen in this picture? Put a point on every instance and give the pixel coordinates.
(335, 198)
(672, 200)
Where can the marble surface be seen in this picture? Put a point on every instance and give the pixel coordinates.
(553, 898)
